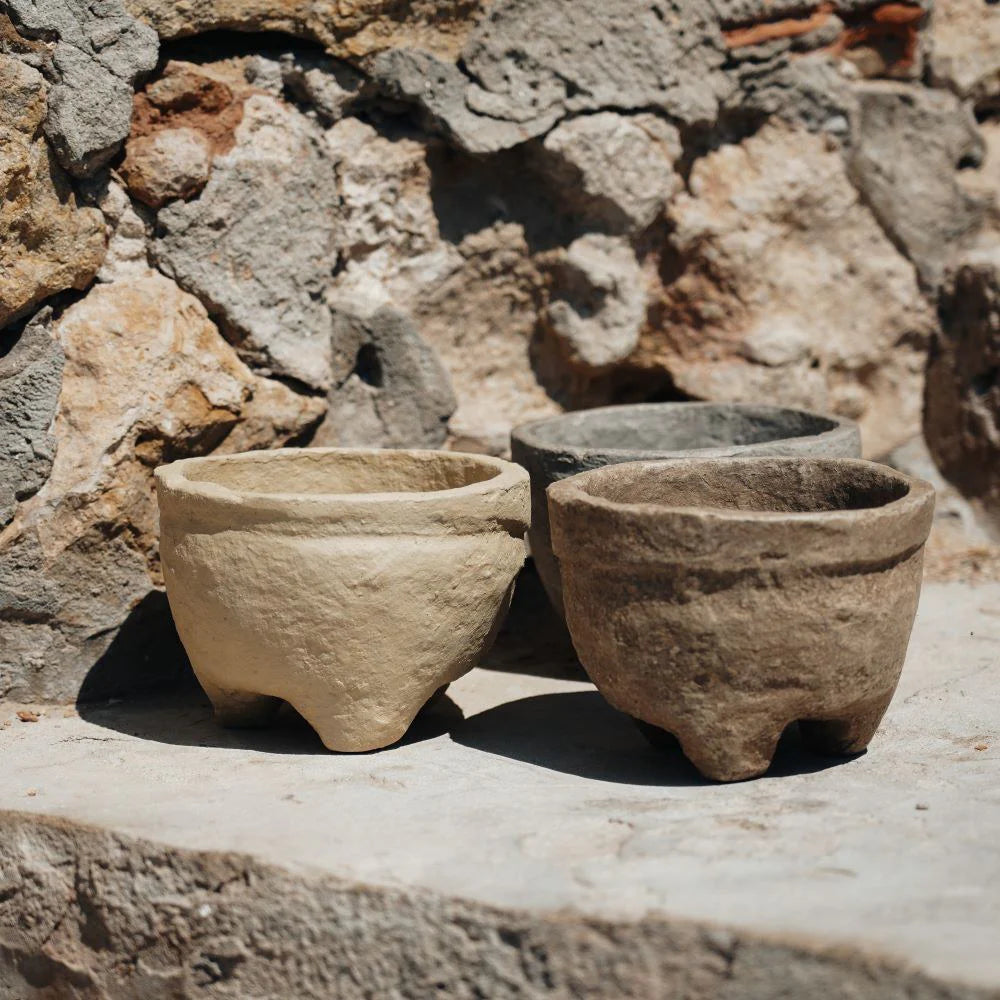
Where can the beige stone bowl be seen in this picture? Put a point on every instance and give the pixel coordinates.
(721, 600)
(353, 584)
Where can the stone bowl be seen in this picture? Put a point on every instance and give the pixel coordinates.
(563, 446)
(722, 600)
(353, 584)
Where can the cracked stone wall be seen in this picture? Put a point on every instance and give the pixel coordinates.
(247, 223)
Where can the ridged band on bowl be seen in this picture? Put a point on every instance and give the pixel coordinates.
(590, 527)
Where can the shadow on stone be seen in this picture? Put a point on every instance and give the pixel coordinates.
(471, 193)
(579, 733)
(533, 639)
(145, 655)
(184, 718)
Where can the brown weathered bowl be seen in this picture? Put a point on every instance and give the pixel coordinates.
(721, 600)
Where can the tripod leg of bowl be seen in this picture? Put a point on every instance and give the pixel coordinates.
(357, 725)
(240, 708)
(848, 733)
(726, 751)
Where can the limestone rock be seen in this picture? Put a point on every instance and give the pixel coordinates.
(257, 247)
(129, 227)
(590, 54)
(202, 97)
(350, 28)
(170, 163)
(30, 376)
(965, 57)
(908, 143)
(34, 53)
(48, 242)
(532, 62)
(788, 290)
(331, 87)
(99, 53)
(473, 296)
(479, 313)
(598, 301)
(386, 214)
(443, 93)
(809, 91)
(983, 183)
(273, 414)
(619, 168)
(146, 378)
(962, 401)
(398, 396)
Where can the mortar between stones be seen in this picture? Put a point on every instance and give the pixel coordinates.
(723, 599)
(352, 583)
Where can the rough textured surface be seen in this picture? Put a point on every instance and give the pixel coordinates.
(128, 226)
(617, 169)
(962, 410)
(597, 301)
(532, 62)
(983, 182)
(30, 377)
(48, 241)
(408, 559)
(353, 28)
(208, 98)
(397, 396)
(418, 235)
(961, 545)
(966, 48)
(80, 555)
(774, 178)
(98, 54)
(789, 290)
(563, 446)
(719, 601)
(257, 246)
(329, 86)
(620, 874)
(908, 145)
(171, 163)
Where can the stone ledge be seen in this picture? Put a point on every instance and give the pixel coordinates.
(524, 841)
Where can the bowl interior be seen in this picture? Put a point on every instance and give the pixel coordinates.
(670, 428)
(333, 473)
(784, 486)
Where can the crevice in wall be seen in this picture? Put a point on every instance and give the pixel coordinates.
(473, 192)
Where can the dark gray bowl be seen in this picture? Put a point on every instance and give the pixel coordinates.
(562, 446)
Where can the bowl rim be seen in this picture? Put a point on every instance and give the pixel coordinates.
(528, 433)
(919, 492)
(174, 477)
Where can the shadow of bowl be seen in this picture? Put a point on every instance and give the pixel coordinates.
(579, 733)
(184, 718)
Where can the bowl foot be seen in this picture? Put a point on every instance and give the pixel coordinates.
(848, 733)
(724, 755)
(240, 709)
(717, 751)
